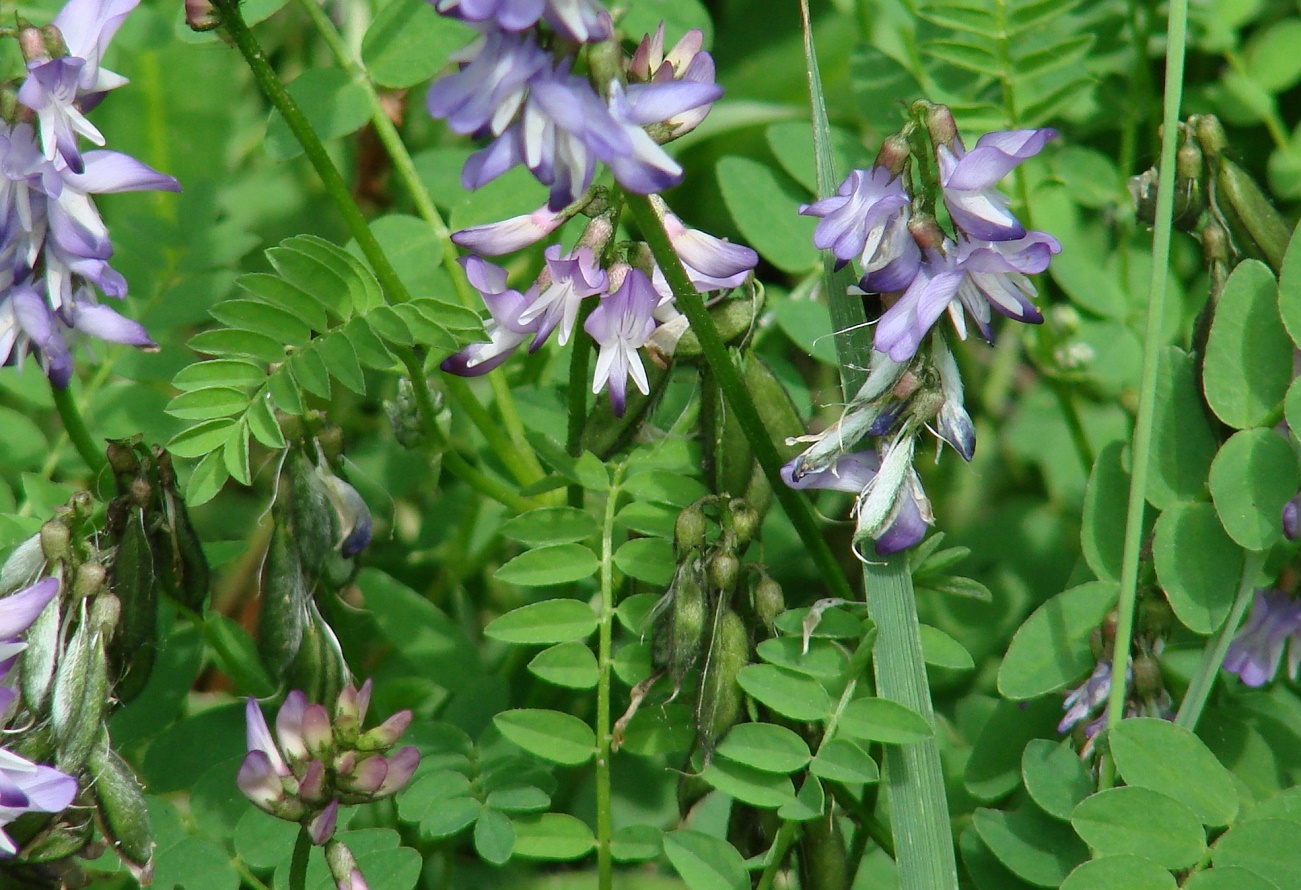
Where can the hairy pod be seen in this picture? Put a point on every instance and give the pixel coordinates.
(687, 625)
(745, 520)
(768, 601)
(23, 567)
(284, 603)
(721, 699)
(182, 568)
(723, 570)
(776, 409)
(56, 844)
(689, 530)
(733, 317)
(319, 668)
(823, 863)
(41, 655)
(79, 702)
(133, 582)
(121, 810)
(605, 433)
(312, 518)
(733, 456)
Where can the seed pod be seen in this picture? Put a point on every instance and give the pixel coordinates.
(1261, 222)
(181, 565)
(23, 566)
(88, 580)
(56, 845)
(605, 433)
(687, 623)
(733, 455)
(1147, 676)
(120, 806)
(312, 519)
(734, 319)
(721, 698)
(284, 603)
(769, 602)
(780, 416)
(80, 697)
(319, 668)
(40, 656)
(56, 537)
(745, 520)
(689, 530)
(723, 570)
(134, 645)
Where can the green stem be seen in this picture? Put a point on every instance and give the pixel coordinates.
(914, 779)
(1199, 687)
(1142, 448)
(519, 457)
(605, 658)
(729, 381)
(298, 865)
(91, 451)
(781, 844)
(579, 362)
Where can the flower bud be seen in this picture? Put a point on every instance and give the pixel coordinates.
(386, 734)
(941, 126)
(352, 512)
(343, 867)
(201, 15)
(926, 231)
(362, 775)
(321, 828)
(1292, 517)
(32, 44)
(318, 735)
(402, 765)
(350, 712)
(1147, 676)
(1210, 134)
(769, 602)
(89, 580)
(56, 538)
(894, 154)
(311, 787)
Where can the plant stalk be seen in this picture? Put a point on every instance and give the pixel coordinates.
(605, 659)
(91, 451)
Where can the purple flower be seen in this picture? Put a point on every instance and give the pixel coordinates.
(1257, 648)
(867, 220)
(510, 235)
(27, 787)
(621, 325)
(563, 285)
(486, 94)
(905, 324)
(1292, 518)
(711, 263)
(969, 180)
(504, 330)
(583, 21)
(685, 62)
(59, 89)
(1082, 700)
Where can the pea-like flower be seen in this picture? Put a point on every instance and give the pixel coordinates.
(1257, 648)
(505, 331)
(867, 220)
(969, 180)
(621, 325)
(582, 21)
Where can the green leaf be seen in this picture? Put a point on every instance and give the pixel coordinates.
(413, 249)
(1271, 57)
(654, 520)
(1123, 872)
(233, 373)
(545, 566)
(568, 664)
(1269, 848)
(705, 862)
(665, 487)
(1248, 356)
(494, 836)
(206, 480)
(550, 621)
(765, 207)
(408, 43)
(518, 799)
(841, 760)
(1054, 777)
(636, 843)
(764, 746)
(1197, 564)
(551, 735)
(765, 790)
(1102, 526)
(550, 525)
(264, 318)
(1140, 822)
(1229, 878)
(1033, 845)
(201, 438)
(877, 81)
(1253, 476)
(1165, 757)
(276, 291)
(205, 404)
(809, 803)
(1051, 649)
(883, 720)
(646, 559)
(941, 650)
(994, 768)
(963, 55)
(333, 103)
(1289, 288)
(1183, 443)
(441, 803)
(823, 661)
(789, 694)
(557, 837)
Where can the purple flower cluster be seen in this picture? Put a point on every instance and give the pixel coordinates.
(54, 247)
(537, 112)
(25, 787)
(631, 305)
(982, 268)
(1256, 651)
(316, 762)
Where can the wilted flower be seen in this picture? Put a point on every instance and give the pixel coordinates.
(1085, 698)
(1257, 648)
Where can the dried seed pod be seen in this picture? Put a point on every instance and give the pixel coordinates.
(721, 699)
(284, 603)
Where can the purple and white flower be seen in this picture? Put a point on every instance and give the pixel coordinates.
(711, 263)
(505, 331)
(621, 325)
(59, 89)
(1257, 648)
(27, 787)
(685, 62)
(562, 287)
(867, 220)
(510, 235)
(969, 181)
(583, 21)
(486, 94)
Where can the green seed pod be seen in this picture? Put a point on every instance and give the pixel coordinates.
(56, 540)
(822, 855)
(780, 416)
(284, 603)
(40, 656)
(734, 319)
(312, 518)
(745, 520)
(687, 622)
(56, 845)
(23, 567)
(79, 702)
(88, 580)
(733, 456)
(769, 602)
(1262, 224)
(120, 806)
(1147, 676)
(721, 699)
(723, 571)
(134, 646)
(180, 563)
(689, 530)
(605, 433)
(319, 668)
